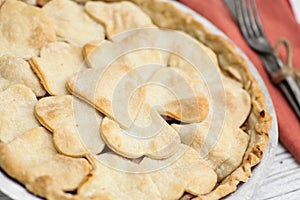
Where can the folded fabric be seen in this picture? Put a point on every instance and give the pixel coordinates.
(278, 21)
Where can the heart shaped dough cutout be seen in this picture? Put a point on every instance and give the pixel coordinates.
(17, 108)
(75, 124)
(33, 160)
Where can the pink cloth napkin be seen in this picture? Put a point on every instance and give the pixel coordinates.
(278, 21)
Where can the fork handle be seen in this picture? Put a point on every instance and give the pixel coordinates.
(288, 86)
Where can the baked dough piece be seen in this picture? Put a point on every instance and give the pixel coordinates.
(17, 71)
(17, 112)
(58, 61)
(117, 185)
(238, 102)
(75, 124)
(72, 23)
(114, 91)
(114, 87)
(159, 141)
(25, 33)
(237, 99)
(32, 160)
(176, 97)
(183, 172)
(118, 17)
(222, 147)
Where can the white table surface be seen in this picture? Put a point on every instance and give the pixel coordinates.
(282, 183)
(283, 180)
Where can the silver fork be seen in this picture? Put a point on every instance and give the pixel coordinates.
(251, 27)
(245, 13)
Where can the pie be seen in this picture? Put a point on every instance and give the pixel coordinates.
(124, 100)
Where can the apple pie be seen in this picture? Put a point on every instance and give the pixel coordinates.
(124, 100)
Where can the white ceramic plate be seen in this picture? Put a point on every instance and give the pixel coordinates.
(244, 192)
